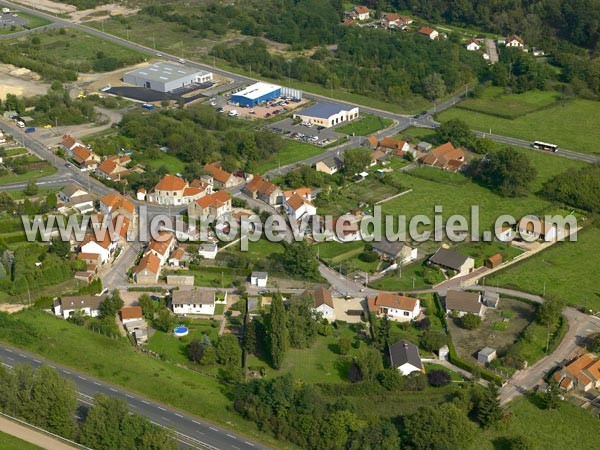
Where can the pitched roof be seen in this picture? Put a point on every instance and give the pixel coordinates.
(171, 183)
(392, 17)
(333, 162)
(71, 189)
(151, 262)
(396, 301)
(388, 247)
(448, 151)
(514, 37)
(372, 140)
(304, 192)
(533, 223)
(215, 200)
(91, 237)
(496, 258)
(88, 256)
(68, 141)
(322, 296)
(107, 166)
(448, 258)
(254, 183)
(193, 297)
(389, 142)
(131, 312)
(361, 9)
(217, 173)
(463, 301)
(178, 254)
(404, 352)
(116, 201)
(296, 202)
(81, 301)
(81, 152)
(426, 30)
(267, 188)
(161, 247)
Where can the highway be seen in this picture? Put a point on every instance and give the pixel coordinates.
(404, 121)
(190, 431)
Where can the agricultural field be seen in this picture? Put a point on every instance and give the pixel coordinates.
(365, 126)
(482, 250)
(369, 191)
(569, 124)
(568, 270)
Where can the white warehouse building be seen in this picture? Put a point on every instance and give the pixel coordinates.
(327, 114)
(166, 77)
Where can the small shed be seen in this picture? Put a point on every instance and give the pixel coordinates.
(444, 352)
(486, 355)
(491, 299)
(259, 279)
(424, 146)
(493, 261)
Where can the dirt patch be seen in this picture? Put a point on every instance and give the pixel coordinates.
(102, 12)
(469, 342)
(20, 81)
(50, 6)
(11, 308)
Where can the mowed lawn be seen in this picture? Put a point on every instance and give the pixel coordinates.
(46, 169)
(291, 152)
(572, 125)
(116, 361)
(9, 442)
(365, 125)
(567, 269)
(565, 427)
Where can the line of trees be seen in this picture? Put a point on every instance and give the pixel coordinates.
(45, 399)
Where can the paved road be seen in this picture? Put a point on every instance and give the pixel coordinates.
(491, 50)
(190, 430)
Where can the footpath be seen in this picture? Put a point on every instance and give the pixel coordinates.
(32, 436)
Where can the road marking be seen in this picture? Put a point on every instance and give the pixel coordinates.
(249, 443)
(79, 376)
(231, 436)
(213, 428)
(196, 422)
(22, 355)
(96, 383)
(145, 402)
(128, 396)
(8, 350)
(8, 357)
(113, 389)
(133, 406)
(51, 366)
(66, 371)
(233, 446)
(161, 408)
(179, 415)
(168, 420)
(7, 365)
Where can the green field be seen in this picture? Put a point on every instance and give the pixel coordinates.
(572, 124)
(34, 22)
(495, 102)
(568, 270)
(118, 362)
(291, 152)
(9, 442)
(482, 250)
(170, 162)
(15, 151)
(406, 278)
(369, 190)
(366, 125)
(565, 427)
(346, 254)
(46, 170)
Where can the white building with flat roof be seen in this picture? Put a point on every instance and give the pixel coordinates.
(327, 114)
(166, 77)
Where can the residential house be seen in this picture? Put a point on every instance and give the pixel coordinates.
(330, 165)
(115, 204)
(298, 207)
(214, 205)
(101, 245)
(379, 157)
(92, 261)
(486, 355)
(404, 356)
(397, 307)
(162, 246)
(221, 178)
(85, 158)
(393, 145)
(86, 304)
(141, 194)
(533, 228)
(450, 260)
(515, 41)
(324, 303)
(259, 279)
(445, 157)
(371, 142)
(460, 303)
(259, 188)
(179, 258)
(304, 192)
(68, 143)
(391, 20)
(348, 22)
(424, 146)
(74, 196)
(359, 13)
(131, 313)
(169, 190)
(208, 250)
(472, 45)
(148, 269)
(582, 374)
(342, 229)
(429, 32)
(493, 261)
(114, 167)
(193, 302)
(394, 250)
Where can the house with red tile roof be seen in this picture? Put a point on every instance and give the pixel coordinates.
(84, 157)
(323, 303)
(259, 188)
(582, 374)
(221, 178)
(115, 204)
(215, 205)
(390, 20)
(162, 246)
(298, 207)
(148, 269)
(114, 167)
(397, 307)
(174, 190)
(429, 32)
(359, 12)
(445, 157)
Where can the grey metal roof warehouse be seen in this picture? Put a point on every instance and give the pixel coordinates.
(165, 77)
(323, 110)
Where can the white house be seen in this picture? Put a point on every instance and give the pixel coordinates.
(298, 207)
(404, 356)
(208, 250)
(87, 304)
(161, 248)
(473, 45)
(397, 307)
(429, 32)
(259, 279)
(532, 228)
(515, 41)
(103, 247)
(324, 303)
(131, 314)
(193, 302)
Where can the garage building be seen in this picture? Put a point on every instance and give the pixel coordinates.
(256, 93)
(327, 114)
(165, 77)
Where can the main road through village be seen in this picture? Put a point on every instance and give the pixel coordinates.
(192, 431)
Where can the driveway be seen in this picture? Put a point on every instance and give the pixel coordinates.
(341, 307)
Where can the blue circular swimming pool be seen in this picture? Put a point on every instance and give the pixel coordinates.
(180, 331)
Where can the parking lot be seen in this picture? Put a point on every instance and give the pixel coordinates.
(304, 133)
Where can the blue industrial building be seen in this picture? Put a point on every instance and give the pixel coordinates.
(255, 94)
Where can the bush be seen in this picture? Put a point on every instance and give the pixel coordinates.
(390, 379)
(433, 340)
(470, 321)
(368, 256)
(438, 378)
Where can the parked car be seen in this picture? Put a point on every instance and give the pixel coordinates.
(47, 126)
(30, 130)
(20, 124)
(148, 106)
(68, 165)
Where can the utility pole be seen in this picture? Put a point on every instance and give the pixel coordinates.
(181, 49)
(544, 289)
(153, 41)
